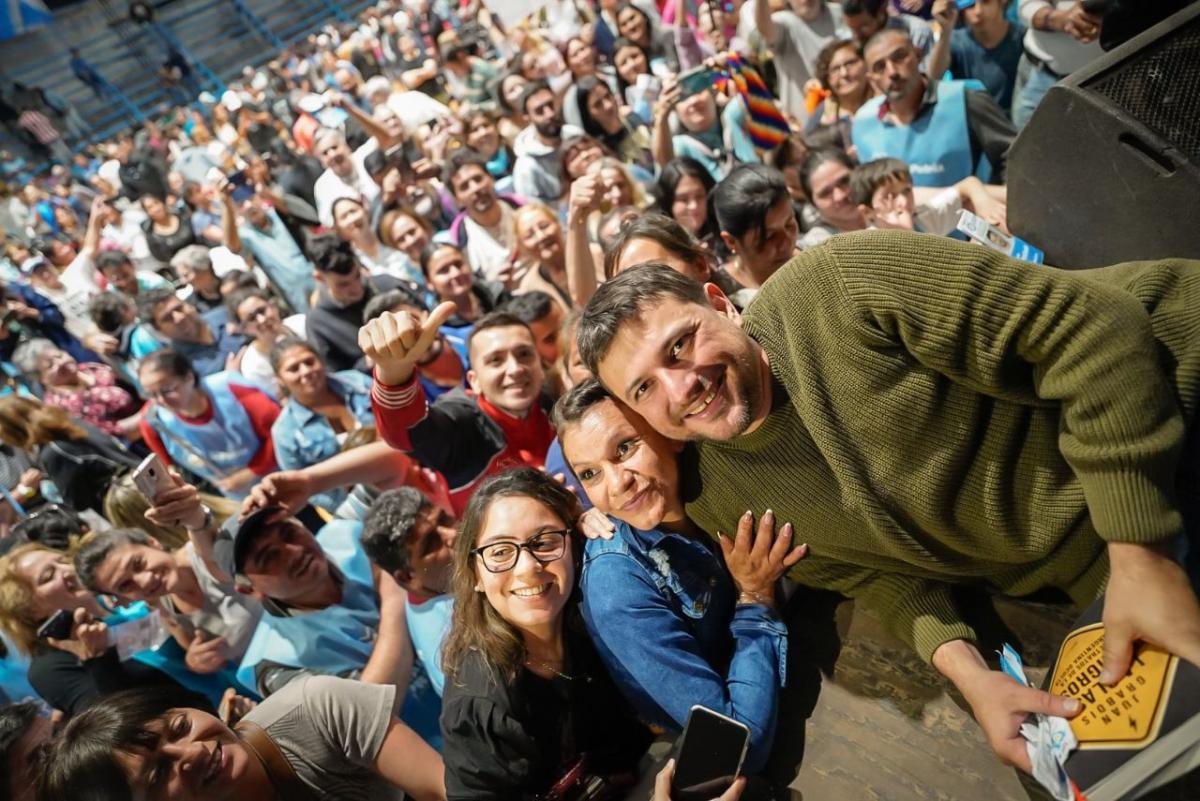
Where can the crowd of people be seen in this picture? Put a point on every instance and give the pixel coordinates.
(511, 379)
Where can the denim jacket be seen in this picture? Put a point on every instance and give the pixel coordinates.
(302, 437)
(662, 610)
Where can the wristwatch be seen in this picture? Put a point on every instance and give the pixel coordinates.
(208, 520)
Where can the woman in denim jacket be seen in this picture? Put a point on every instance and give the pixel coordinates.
(676, 620)
(320, 410)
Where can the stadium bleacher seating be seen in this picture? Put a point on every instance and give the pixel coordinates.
(219, 37)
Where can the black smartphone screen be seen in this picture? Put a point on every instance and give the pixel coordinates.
(710, 756)
(58, 625)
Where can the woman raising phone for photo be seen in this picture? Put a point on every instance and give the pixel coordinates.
(527, 699)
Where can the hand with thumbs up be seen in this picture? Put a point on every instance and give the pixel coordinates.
(396, 341)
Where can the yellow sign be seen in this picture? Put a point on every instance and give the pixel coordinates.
(1125, 715)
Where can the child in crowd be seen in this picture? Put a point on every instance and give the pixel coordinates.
(884, 194)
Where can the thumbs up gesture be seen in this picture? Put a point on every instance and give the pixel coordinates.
(396, 341)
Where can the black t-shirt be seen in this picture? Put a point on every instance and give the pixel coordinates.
(143, 174)
(333, 329)
(261, 135)
(434, 87)
(83, 469)
(72, 686)
(203, 303)
(164, 246)
(515, 741)
(300, 177)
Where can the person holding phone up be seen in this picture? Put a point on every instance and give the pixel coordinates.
(210, 620)
(716, 138)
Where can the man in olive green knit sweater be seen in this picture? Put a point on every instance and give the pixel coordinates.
(930, 413)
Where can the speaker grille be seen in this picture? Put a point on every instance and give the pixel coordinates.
(1160, 87)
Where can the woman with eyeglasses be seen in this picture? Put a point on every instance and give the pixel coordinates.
(842, 72)
(526, 698)
(217, 427)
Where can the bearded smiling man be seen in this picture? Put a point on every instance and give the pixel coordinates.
(928, 414)
(538, 169)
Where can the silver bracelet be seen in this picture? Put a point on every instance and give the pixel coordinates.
(746, 596)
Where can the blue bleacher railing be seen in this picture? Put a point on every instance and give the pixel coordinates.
(216, 37)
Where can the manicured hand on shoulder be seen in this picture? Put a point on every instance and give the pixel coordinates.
(757, 558)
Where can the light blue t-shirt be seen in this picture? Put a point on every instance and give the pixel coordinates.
(734, 139)
(428, 625)
(281, 259)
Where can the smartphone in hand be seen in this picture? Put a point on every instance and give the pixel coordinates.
(695, 81)
(710, 755)
(58, 626)
(151, 478)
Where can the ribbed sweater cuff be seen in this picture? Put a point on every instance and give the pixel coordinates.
(927, 620)
(1131, 507)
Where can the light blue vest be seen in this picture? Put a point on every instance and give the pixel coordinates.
(936, 146)
(339, 639)
(336, 640)
(215, 449)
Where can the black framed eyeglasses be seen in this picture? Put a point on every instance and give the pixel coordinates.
(500, 557)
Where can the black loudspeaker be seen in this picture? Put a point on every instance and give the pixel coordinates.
(1108, 167)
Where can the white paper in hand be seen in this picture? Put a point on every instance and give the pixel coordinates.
(141, 634)
(1049, 739)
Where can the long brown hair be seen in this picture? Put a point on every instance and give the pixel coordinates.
(27, 423)
(476, 625)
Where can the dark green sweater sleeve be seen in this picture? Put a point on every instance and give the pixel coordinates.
(1035, 334)
(919, 611)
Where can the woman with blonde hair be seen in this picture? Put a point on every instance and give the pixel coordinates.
(71, 673)
(541, 245)
(404, 230)
(125, 507)
(81, 460)
(616, 185)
